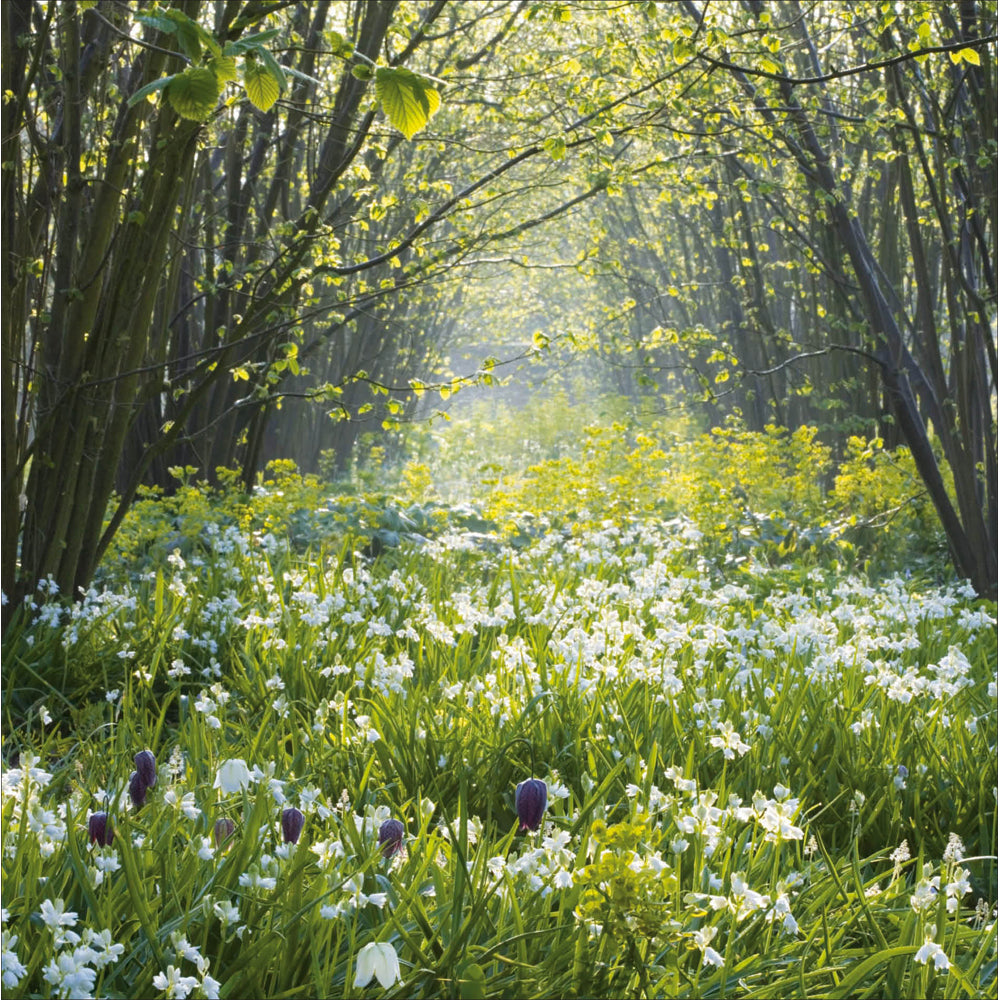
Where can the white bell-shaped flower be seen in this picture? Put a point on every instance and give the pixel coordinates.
(377, 959)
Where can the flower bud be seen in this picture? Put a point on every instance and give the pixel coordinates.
(291, 824)
(390, 837)
(530, 798)
(145, 765)
(100, 830)
(224, 829)
(137, 789)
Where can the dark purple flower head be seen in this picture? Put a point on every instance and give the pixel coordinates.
(137, 789)
(530, 798)
(291, 824)
(100, 830)
(390, 837)
(224, 829)
(145, 765)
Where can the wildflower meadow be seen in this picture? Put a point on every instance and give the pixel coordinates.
(649, 738)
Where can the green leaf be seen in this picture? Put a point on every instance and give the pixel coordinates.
(966, 55)
(150, 88)
(193, 93)
(299, 75)
(163, 24)
(339, 46)
(187, 34)
(555, 146)
(224, 68)
(261, 86)
(408, 100)
(250, 43)
(274, 68)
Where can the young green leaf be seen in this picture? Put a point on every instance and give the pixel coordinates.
(261, 86)
(193, 93)
(408, 100)
(187, 34)
(150, 88)
(224, 67)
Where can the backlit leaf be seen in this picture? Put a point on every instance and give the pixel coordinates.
(408, 100)
(261, 86)
(193, 93)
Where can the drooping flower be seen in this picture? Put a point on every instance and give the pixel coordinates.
(100, 830)
(530, 799)
(390, 837)
(145, 766)
(233, 776)
(224, 829)
(291, 824)
(378, 959)
(137, 789)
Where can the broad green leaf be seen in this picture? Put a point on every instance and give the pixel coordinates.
(339, 46)
(150, 88)
(163, 24)
(274, 68)
(964, 55)
(224, 67)
(408, 100)
(187, 34)
(769, 67)
(193, 93)
(261, 86)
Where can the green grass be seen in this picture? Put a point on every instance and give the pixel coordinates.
(734, 752)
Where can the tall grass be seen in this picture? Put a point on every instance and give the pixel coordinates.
(762, 781)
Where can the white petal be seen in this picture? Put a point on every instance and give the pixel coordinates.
(365, 966)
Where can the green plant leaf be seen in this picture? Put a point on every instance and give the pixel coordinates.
(274, 68)
(250, 43)
(193, 93)
(187, 34)
(150, 88)
(163, 24)
(555, 146)
(224, 67)
(261, 86)
(408, 100)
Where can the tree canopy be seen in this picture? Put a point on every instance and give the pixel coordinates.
(225, 223)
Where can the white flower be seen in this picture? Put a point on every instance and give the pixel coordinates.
(228, 913)
(174, 984)
(233, 776)
(712, 957)
(728, 741)
(71, 975)
(702, 939)
(378, 959)
(55, 914)
(13, 969)
(930, 950)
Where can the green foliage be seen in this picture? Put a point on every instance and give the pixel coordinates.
(768, 496)
(722, 749)
(193, 93)
(409, 100)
